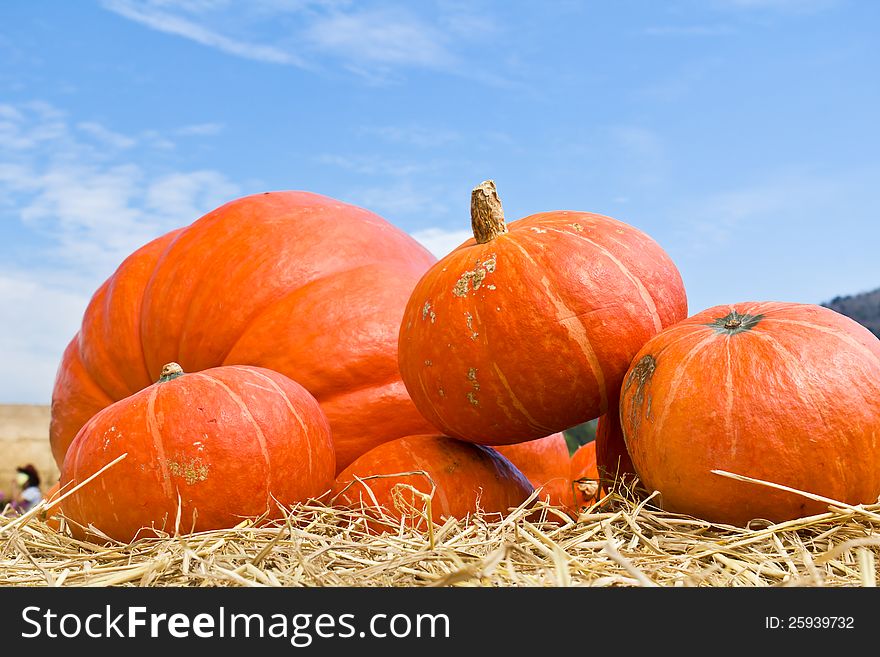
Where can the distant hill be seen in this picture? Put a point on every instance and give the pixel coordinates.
(863, 308)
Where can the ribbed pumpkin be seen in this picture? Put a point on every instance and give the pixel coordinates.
(546, 464)
(528, 329)
(584, 476)
(292, 281)
(219, 445)
(782, 392)
(464, 477)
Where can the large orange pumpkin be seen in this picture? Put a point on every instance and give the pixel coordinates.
(291, 281)
(782, 392)
(463, 478)
(546, 464)
(528, 329)
(215, 446)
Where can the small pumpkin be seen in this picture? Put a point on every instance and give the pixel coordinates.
(295, 282)
(613, 461)
(460, 478)
(202, 451)
(528, 328)
(584, 476)
(546, 464)
(786, 393)
(52, 512)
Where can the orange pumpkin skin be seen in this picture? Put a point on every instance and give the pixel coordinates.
(227, 442)
(584, 476)
(546, 464)
(526, 331)
(291, 281)
(783, 392)
(613, 461)
(52, 510)
(465, 476)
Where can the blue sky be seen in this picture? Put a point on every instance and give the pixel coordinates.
(742, 135)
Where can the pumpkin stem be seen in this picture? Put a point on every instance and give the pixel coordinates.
(170, 371)
(487, 216)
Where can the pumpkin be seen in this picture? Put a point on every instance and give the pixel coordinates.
(785, 393)
(527, 329)
(296, 282)
(51, 514)
(201, 451)
(612, 460)
(461, 477)
(546, 464)
(584, 476)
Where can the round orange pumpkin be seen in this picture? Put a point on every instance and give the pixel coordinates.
(528, 329)
(584, 476)
(296, 282)
(463, 478)
(782, 392)
(546, 464)
(213, 447)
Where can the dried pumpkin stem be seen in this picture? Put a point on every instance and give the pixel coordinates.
(487, 216)
(170, 371)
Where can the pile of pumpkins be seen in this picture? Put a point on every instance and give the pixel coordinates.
(289, 347)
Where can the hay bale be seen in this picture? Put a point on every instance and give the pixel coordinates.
(621, 540)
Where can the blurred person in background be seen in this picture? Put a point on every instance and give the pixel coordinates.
(26, 492)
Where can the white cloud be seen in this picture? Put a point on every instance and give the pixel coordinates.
(146, 14)
(413, 135)
(38, 322)
(380, 37)
(371, 165)
(373, 43)
(112, 139)
(402, 198)
(76, 209)
(440, 241)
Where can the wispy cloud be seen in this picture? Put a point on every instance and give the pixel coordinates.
(420, 136)
(38, 321)
(441, 241)
(793, 201)
(372, 165)
(84, 197)
(375, 42)
(148, 14)
(102, 134)
(381, 38)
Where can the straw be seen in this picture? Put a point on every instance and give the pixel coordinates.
(622, 540)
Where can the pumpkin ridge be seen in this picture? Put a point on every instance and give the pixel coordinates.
(675, 382)
(285, 294)
(792, 358)
(517, 404)
(578, 333)
(287, 402)
(635, 280)
(246, 413)
(155, 433)
(829, 331)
